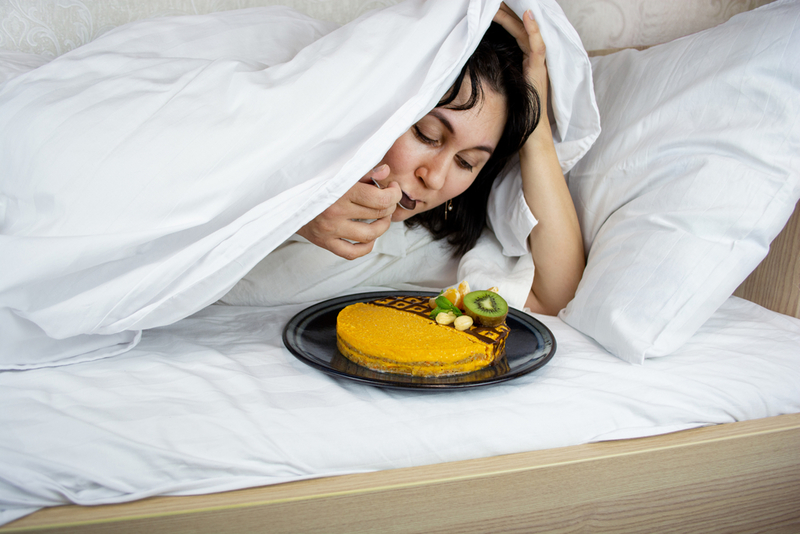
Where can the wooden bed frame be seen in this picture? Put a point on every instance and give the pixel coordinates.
(736, 477)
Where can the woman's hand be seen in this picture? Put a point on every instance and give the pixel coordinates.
(530, 41)
(556, 243)
(342, 229)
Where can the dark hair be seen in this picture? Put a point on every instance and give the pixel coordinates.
(497, 61)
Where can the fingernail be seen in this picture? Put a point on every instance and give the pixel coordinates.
(379, 168)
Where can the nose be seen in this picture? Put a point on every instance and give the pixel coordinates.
(433, 172)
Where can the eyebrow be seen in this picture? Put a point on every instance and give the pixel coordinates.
(447, 124)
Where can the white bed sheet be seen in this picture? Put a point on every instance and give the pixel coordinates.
(215, 402)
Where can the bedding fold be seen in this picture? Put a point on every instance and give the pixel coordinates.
(145, 173)
(148, 171)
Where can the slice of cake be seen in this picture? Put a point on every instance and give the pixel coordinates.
(397, 335)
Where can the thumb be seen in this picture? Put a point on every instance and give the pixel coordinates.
(380, 172)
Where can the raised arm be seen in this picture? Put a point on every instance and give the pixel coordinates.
(556, 244)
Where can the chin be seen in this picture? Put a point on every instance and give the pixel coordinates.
(401, 215)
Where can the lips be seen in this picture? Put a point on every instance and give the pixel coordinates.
(407, 203)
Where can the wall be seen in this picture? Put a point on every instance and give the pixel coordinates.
(52, 27)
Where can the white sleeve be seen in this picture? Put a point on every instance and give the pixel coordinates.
(508, 214)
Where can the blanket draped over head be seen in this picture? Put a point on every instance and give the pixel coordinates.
(143, 174)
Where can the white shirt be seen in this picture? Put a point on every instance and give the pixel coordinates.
(299, 271)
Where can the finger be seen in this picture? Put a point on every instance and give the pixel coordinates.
(349, 251)
(324, 230)
(385, 203)
(395, 190)
(534, 36)
(505, 16)
(396, 194)
(504, 7)
(513, 25)
(362, 201)
(362, 231)
(381, 172)
(358, 238)
(380, 199)
(375, 229)
(365, 201)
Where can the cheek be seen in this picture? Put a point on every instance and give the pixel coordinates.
(457, 185)
(402, 156)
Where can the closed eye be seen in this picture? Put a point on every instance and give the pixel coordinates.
(464, 164)
(424, 138)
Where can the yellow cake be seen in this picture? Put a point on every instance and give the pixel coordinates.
(397, 335)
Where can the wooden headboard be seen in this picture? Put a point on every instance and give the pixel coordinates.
(775, 284)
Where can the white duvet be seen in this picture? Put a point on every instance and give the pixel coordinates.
(214, 402)
(143, 174)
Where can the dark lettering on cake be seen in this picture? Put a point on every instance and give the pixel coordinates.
(418, 306)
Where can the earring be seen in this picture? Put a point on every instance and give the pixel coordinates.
(448, 207)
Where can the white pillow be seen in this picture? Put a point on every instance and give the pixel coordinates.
(695, 172)
(13, 63)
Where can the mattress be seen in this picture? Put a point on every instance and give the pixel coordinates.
(215, 402)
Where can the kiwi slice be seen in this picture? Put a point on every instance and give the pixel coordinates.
(486, 308)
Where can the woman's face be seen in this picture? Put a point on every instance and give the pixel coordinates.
(440, 156)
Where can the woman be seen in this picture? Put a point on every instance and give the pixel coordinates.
(439, 173)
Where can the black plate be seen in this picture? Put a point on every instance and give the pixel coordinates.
(311, 337)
